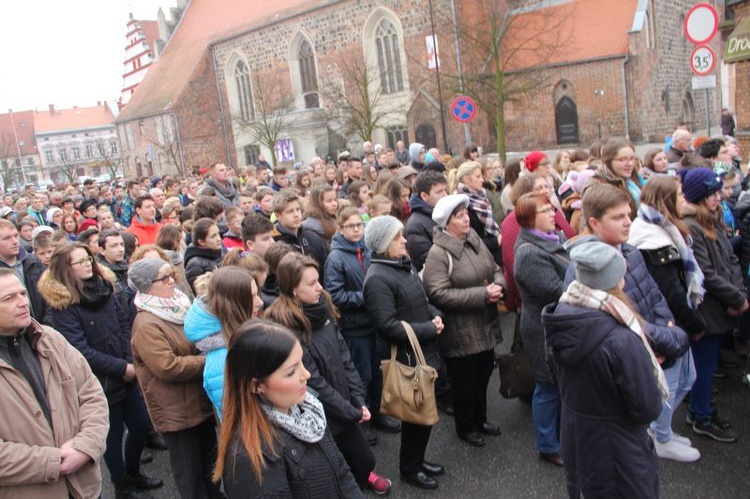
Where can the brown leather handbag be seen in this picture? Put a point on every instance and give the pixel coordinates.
(409, 392)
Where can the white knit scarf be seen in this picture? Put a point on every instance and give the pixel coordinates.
(306, 421)
(170, 309)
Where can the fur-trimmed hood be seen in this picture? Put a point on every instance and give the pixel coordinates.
(58, 296)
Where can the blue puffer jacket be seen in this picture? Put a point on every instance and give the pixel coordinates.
(344, 279)
(670, 341)
(204, 330)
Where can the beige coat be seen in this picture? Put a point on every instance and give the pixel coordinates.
(170, 373)
(29, 447)
(459, 290)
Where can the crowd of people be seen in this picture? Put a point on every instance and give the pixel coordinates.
(237, 318)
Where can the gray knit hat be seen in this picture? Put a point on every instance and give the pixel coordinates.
(380, 231)
(142, 273)
(598, 265)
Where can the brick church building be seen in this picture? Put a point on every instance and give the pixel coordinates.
(583, 69)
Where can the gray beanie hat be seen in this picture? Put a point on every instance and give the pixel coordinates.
(142, 273)
(598, 265)
(380, 231)
(446, 205)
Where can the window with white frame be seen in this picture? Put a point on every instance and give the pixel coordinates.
(244, 90)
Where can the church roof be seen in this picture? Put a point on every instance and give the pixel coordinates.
(569, 32)
(204, 22)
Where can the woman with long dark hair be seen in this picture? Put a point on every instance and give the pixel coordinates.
(725, 297)
(86, 311)
(307, 309)
(274, 441)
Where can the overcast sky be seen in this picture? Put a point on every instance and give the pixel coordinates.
(67, 53)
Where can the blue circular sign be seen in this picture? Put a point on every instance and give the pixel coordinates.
(463, 109)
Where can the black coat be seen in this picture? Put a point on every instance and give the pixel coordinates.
(305, 241)
(199, 261)
(294, 470)
(609, 396)
(102, 336)
(721, 275)
(394, 293)
(332, 373)
(742, 220)
(418, 231)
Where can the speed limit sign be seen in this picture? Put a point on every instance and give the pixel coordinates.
(702, 60)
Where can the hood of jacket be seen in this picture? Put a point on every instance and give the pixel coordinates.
(414, 149)
(454, 245)
(57, 295)
(419, 205)
(339, 242)
(199, 322)
(193, 251)
(314, 225)
(403, 263)
(174, 256)
(573, 333)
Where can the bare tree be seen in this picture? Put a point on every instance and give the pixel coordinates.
(69, 167)
(506, 45)
(165, 139)
(8, 160)
(269, 114)
(107, 158)
(353, 97)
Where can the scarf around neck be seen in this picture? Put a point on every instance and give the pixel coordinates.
(480, 205)
(171, 310)
(96, 293)
(580, 295)
(693, 274)
(306, 421)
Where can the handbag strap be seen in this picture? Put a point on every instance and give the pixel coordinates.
(414, 343)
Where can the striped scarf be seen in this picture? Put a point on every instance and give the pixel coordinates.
(580, 295)
(480, 205)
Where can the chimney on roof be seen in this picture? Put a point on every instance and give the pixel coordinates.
(75, 107)
(106, 106)
(52, 109)
(98, 103)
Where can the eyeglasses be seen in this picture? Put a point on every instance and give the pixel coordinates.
(629, 159)
(546, 210)
(83, 262)
(357, 226)
(166, 278)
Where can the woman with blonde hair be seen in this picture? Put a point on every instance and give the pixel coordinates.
(213, 318)
(468, 179)
(275, 440)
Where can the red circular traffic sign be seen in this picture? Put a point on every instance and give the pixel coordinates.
(463, 109)
(702, 60)
(701, 23)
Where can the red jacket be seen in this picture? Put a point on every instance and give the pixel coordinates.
(146, 233)
(231, 241)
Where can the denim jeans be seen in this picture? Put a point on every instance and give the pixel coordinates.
(366, 361)
(680, 378)
(545, 407)
(706, 356)
(130, 412)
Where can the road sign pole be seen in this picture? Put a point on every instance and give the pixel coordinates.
(708, 114)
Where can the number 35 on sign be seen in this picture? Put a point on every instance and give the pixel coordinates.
(702, 60)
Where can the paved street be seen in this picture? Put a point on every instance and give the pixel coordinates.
(509, 467)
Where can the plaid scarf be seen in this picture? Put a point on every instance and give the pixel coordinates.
(480, 205)
(170, 309)
(580, 295)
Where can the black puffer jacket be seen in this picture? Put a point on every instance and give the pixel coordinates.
(332, 373)
(394, 293)
(609, 396)
(418, 231)
(294, 469)
(742, 220)
(198, 261)
(306, 241)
